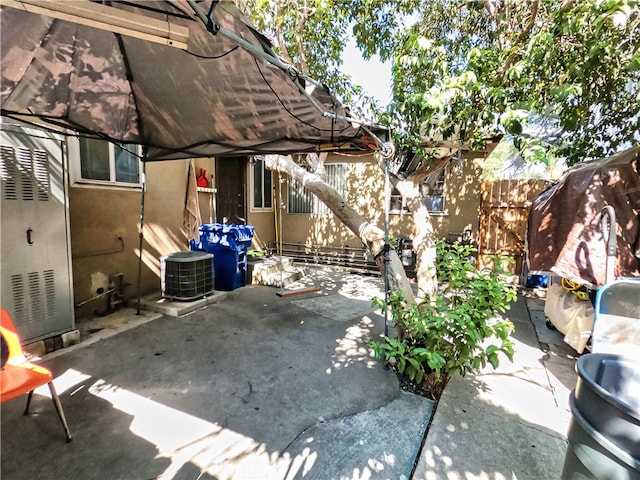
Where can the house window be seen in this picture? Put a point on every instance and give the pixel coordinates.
(431, 192)
(303, 201)
(101, 162)
(261, 186)
(396, 202)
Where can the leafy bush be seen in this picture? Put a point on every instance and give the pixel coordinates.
(458, 331)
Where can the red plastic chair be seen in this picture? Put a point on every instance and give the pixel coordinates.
(19, 376)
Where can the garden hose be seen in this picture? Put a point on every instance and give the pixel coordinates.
(577, 289)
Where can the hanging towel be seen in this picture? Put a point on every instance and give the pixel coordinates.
(191, 219)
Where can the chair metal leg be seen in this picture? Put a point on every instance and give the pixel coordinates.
(58, 405)
(26, 409)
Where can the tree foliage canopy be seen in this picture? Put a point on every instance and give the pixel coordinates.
(309, 34)
(491, 66)
(560, 75)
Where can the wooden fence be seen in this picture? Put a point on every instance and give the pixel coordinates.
(504, 208)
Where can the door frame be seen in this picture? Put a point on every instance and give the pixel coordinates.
(239, 166)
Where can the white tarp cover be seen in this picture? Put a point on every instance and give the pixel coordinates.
(213, 98)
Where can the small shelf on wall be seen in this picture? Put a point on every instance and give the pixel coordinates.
(206, 189)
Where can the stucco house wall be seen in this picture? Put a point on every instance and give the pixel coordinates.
(365, 193)
(104, 220)
(365, 183)
(104, 225)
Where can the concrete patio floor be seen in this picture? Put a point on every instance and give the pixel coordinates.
(263, 387)
(256, 386)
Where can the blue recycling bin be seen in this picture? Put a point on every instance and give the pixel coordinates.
(229, 244)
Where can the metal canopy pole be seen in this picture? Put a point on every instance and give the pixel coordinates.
(387, 198)
(141, 235)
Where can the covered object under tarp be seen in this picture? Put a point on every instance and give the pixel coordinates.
(565, 230)
(183, 78)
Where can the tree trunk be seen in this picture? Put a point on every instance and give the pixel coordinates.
(423, 240)
(370, 235)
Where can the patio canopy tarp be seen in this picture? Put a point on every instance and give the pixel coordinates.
(153, 73)
(565, 232)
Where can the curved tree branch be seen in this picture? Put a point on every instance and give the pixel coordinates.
(305, 12)
(280, 8)
(524, 33)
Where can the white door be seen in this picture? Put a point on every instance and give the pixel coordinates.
(35, 275)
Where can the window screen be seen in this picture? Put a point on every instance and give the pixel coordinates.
(300, 200)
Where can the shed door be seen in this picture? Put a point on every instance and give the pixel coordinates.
(231, 187)
(36, 277)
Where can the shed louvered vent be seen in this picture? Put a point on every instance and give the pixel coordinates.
(187, 275)
(25, 173)
(9, 172)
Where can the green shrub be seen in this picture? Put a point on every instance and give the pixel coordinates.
(458, 331)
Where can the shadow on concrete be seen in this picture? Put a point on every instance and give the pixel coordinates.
(559, 358)
(471, 437)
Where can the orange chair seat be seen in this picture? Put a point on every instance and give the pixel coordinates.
(15, 380)
(19, 376)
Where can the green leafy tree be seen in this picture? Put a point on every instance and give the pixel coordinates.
(456, 333)
(465, 69)
(309, 34)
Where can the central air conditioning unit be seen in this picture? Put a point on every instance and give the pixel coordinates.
(186, 275)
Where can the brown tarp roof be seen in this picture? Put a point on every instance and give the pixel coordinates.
(565, 233)
(210, 98)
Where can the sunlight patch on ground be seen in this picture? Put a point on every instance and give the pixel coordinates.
(302, 464)
(523, 389)
(63, 383)
(362, 288)
(183, 438)
(357, 287)
(352, 347)
(435, 456)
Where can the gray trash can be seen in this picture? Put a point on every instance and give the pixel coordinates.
(604, 433)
